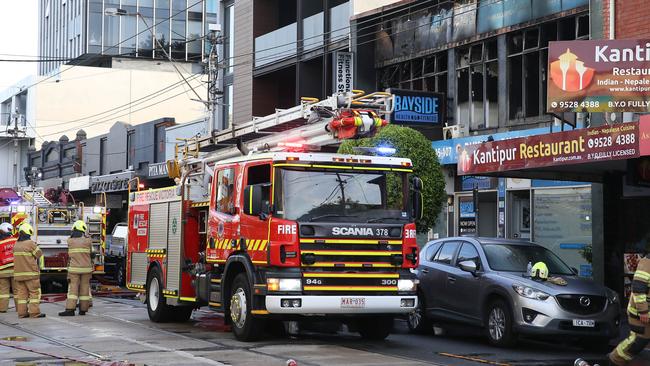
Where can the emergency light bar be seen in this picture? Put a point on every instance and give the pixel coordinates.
(297, 147)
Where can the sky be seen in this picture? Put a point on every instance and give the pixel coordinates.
(18, 36)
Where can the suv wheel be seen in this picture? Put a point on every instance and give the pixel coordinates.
(499, 324)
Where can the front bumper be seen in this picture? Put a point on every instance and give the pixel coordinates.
(552, 320)
(318, 305)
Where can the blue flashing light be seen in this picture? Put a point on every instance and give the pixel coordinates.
(385, 150)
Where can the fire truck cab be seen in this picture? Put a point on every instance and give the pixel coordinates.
(279, 235)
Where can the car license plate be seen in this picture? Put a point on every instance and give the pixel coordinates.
(353, 302)
(584, 323)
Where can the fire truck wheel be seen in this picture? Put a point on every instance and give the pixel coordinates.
(119, 276)
(244, 325)
(156, 306)
(375, 328)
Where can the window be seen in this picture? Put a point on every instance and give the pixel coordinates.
(128, 32)
(261, 175)
(468, 253)
(162, 28)
(431, 251)
(477, 80)
(130, 150)
(145, 28)
(178, 29)
(94, 27)
(225, 202)
(229, 46)
(194, 30)
(446, 254)
(111, 30)
(427, 73)
(228, 106)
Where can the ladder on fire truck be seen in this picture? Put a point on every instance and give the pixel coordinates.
(310, 122)
(37, 197)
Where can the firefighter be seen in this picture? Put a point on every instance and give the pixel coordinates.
(637, 316)
(7, 242)
(27, 292)
(80, 270)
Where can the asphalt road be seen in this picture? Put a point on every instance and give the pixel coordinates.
(119, 330)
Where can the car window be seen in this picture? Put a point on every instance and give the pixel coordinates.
(431, 251)
(468, 253)
(446, 253)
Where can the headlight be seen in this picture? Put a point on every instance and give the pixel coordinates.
(530, 293)
(283, 284)
(407, 285)
(612, 296)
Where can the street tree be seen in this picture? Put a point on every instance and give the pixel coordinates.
(411, 144)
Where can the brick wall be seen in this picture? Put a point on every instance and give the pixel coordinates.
(632, 19)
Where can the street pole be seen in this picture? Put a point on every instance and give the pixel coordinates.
(16, 135)
(214, 123)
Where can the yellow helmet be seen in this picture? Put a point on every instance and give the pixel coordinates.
(26, 229)
(539, 271)
(79, 225)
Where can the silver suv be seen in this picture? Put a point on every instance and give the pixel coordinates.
(483, 282)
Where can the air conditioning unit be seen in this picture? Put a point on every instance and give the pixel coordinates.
(451, 132)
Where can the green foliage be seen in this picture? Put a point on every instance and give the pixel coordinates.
(411, 144)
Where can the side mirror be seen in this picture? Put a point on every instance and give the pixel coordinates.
(468, 266)
(418, 205)
(254, 204)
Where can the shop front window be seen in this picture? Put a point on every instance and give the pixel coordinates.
(562, 223)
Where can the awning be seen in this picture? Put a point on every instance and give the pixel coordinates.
(581, 155)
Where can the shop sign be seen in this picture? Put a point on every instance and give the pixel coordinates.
(157, 170)
(599, 76)
(110, 183)
(343, 71)
(79, 183)
(468, 183)
(448, 150)
(604, 143)
(157, 195)
(411, 107)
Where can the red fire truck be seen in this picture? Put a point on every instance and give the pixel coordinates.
(282, 233)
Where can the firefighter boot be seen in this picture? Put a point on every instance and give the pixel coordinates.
(67, 313)
(81, 312)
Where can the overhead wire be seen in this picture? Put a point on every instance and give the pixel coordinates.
(99, 56)
(340, 38)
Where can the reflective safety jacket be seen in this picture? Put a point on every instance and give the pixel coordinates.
(7, 257)
(79, 250)
(640, 284)
(26, 258)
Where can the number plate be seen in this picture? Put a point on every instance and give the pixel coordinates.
(584, 323)
(353, 302)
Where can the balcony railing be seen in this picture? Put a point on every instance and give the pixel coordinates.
(276, 45)
(312, 31)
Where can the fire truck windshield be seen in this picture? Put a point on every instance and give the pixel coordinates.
(341, 196)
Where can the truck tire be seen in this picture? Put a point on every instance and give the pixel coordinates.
(157, 307)
(245, 327)
(120, 274)
(375, 328)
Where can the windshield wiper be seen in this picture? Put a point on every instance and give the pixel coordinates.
(375, 219)
(329, 215)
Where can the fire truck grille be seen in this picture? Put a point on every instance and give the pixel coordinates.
(361, 254)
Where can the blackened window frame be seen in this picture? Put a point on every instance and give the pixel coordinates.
(566, 28)
(480, 57)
